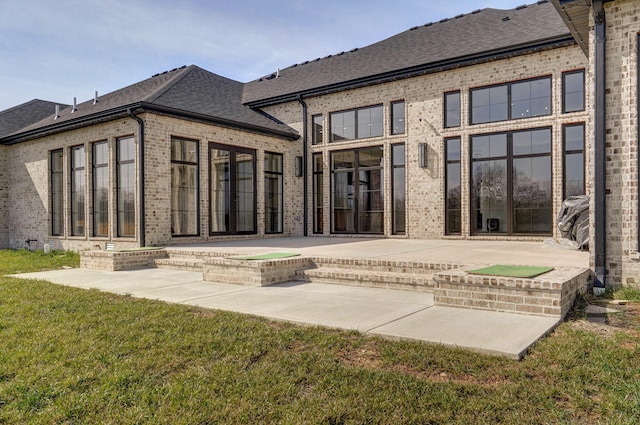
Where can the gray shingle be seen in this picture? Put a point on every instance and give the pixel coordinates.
(21, 116)
(453, 39)
(187, 91)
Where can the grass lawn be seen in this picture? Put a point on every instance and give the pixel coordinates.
(72, 356)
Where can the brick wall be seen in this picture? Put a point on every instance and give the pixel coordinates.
(622, 28)
(424, 115)
(4, 193)
(158, 132)
(28, 170)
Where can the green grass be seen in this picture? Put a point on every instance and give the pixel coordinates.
(71, 356)
(25, 261)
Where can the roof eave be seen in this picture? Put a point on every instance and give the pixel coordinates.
(123, 111)
(150, 107)
(68, 125)
(488, 56)
(575, 14)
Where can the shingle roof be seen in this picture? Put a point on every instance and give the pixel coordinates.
(21, 116)
(480, 33)
(189, 91)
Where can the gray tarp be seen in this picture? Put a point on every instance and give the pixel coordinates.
(573, 220)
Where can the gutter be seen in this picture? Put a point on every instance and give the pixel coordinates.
(418, 70)
(124, 112)
(600, 161)
(141, 174)
(305, 183)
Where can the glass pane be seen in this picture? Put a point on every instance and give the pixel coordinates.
(532, 195)
(489, 196)
(397, 118)
(489, 146)
(245, 183)
(370, 157)
(573, 91)
(318, 203)
(371, 202)
(317, 162)
(343, 126)
(318, 127)
(126, 199)
(273, 189)
(220, 193)
(453, 149)
(126, 150)
(344, 159)
(532, 142)
(184, 199)
(369, 122)
(397, 154)
(399, 200)
(101, 201)
(574, 138)
(343, 202)
(574, 174)
(453, 203)
(452, 109)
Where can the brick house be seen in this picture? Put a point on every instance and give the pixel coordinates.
(474, 127)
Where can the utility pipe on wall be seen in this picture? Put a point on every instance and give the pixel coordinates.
(305, 188)
(141, 165)
(600, 157)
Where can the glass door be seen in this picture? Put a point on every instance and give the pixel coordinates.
(232, 201)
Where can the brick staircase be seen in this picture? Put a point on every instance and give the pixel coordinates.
(187, 259)
(391, 274)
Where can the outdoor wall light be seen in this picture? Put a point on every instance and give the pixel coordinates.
(298, 167)
(422, 155)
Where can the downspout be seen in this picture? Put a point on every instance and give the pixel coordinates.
(600, 157)
(305, 188)
(141, 165)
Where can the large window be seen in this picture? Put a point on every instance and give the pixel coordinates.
(232, 182)
(573, 174)
(511, 182)
(57, 193)
(318, 129)
(399, 193)
(318, 196)
(357, 123)
(273, 192)
(126, 190)
(453, 198)
(356, 192)
(184, 187)
(77, 191)
(452, 109)
(573, 91)
(100, 163)
(397, 117)
(523, 99)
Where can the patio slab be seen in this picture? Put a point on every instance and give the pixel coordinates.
(384, 312)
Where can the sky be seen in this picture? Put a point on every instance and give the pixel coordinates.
(58, 50)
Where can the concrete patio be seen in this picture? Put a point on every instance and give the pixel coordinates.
(385, 312)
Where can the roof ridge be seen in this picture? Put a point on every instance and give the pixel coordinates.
(26, 104)
(185, 70)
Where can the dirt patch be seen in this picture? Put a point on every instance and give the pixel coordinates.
(621, 316)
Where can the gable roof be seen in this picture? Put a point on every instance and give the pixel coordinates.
(13, 119)
(479, 36)
(188, 92)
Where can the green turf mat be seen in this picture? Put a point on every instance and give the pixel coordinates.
(511, 271)
(270, 256)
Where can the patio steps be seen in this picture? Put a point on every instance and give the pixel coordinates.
(187, 259)
(390, 274)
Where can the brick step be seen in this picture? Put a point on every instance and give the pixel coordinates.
(186, 264)
(390, 266)
(370, 278)
(197, 254)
